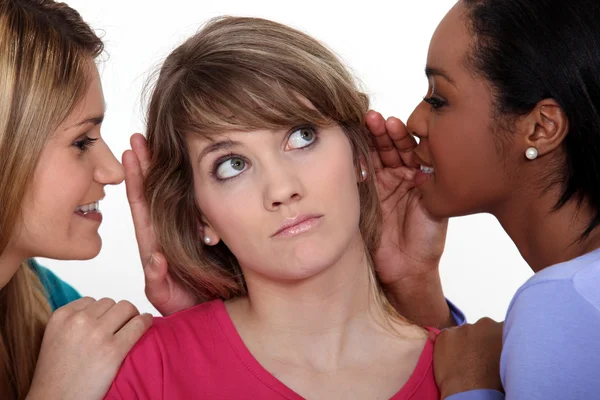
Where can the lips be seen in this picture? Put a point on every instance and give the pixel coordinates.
(297, 225)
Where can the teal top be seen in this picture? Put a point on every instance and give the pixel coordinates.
(58, 291)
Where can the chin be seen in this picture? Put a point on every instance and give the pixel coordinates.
(438, 208)
(81, 250)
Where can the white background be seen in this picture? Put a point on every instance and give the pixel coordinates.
(384, 43)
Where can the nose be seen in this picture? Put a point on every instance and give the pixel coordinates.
(417, 122)
(283, 187)
(109, 170)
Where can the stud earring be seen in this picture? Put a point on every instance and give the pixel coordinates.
(363, 173)
(207, 240)
(531, 153)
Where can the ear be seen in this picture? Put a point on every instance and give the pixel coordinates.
(547, 127)
(210, 237)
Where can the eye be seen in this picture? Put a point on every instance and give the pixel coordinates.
(230, 167)
(435, 102)
(84, 144)
(301, 137)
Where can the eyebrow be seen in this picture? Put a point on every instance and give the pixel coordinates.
(215, 146)
(433, 71)
(95, 120)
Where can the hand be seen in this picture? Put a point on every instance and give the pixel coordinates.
(165, 294)
(412, 242)
(84, 344)
(468, 357)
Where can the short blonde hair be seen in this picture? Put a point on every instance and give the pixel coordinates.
(241, 74)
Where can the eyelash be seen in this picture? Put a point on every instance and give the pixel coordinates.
(220, 161)
(435, 102)
(229, 156)
(84, 144)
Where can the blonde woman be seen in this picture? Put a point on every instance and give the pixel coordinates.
(263, 197)
(54, 167)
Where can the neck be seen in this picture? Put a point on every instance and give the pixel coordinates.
(545, 237)
(10, 261)
(315, 319)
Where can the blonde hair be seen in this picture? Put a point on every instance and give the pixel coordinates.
(241, 74)
(45, 51)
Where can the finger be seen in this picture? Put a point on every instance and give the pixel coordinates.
(131, 332)
(374, 121)
(140, 148)
(78, 304)
(99, 308)
(140, 210)
(387, 151)
(403, 141)
(118, 315)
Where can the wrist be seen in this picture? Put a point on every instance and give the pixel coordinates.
(420, 298)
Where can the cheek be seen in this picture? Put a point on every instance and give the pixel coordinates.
(231, 210)
(468, 166)
(57, 190)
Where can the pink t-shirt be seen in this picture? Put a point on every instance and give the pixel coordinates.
(198, 354)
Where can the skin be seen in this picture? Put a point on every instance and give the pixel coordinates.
(480, 166)
(309, 308)
(77, 161)
(86, 340)
(283, 177)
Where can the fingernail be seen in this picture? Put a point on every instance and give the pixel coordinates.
(153, 260)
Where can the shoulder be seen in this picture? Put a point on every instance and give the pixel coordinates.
(164, 351)
(187, 326)
(59, 292)
(191, 323)
(561, 288)
(551, 327)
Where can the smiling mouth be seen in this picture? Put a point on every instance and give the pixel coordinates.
(88, 208)
(426, 170)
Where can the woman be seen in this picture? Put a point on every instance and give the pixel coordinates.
(262, 194)
(510, 126)
(54, 168)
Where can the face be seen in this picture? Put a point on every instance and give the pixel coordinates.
(463, 157)
(285, 203)
(60, 214)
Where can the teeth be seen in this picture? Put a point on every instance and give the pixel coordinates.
(426, 170)
(86, 208)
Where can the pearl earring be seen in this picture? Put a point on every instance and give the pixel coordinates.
(207, 240)
(363, 173)
(531, 153)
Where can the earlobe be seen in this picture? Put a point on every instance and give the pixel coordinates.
(550, 127)
(208, 234)
(362, 171)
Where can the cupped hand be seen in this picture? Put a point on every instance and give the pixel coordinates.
(165, 294)
(412, 242)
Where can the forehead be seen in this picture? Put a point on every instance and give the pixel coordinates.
(90, 105)
(450, 41)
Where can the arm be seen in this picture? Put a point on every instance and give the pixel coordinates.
(421, 299)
